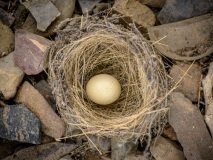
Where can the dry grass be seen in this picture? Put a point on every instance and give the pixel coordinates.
(91, 46)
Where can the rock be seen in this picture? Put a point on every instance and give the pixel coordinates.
(207, 89)
(121, 148)
(190, 128)
(169, 132)
(10, 77)
(190, 84)
(180, 10)
(137, 12)
(136, 157)
(65, 7)
(186, 40)
(7, 40)
(163, 149)
(87, 5)
(20, 15)
(18, 123)
(8, 147)
(102, 143)
(43, 11)
(3, 4)
(52, 125)
(44, 89)
(30, 52)
(101, 7)
(6, 18)
(93, 155)
(50, 151)
(153, 3)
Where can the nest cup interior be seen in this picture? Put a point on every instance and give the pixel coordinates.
(131, 60)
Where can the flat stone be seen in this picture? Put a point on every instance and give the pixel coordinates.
(87, 5)
(10, 77)
(180, 10)
(43, 11)
(191, 79)
(30, 52)
(190, 128)
(137, 12)
(65, 7)
(208, 95)
(18, 123)
(7, 40)
(153, 3)
(6, 18)
(164, 149)
(50, 151)
(121, 148)
(186, 40)
(52, 125)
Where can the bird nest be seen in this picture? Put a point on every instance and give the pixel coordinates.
(89, 46)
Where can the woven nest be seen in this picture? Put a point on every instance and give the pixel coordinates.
(91, 46)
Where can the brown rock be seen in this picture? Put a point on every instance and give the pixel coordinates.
(52, 125)
(169, 132)
(6, 40)
(190, 84)
(30, 52)
(190, 128)
(153, 3)
(137, 12)
(50, 151)
(164, 149)
(10, 77)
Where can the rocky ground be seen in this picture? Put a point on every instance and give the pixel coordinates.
(29, 123)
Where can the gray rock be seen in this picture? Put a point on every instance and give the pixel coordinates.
(65, 7)
(186, 40)
(52, 124)
(120, 148)
(87, 5)
(6, 18)
(164, 149)
(50, 151)
(175, 10)
(10, 77)
(190, 128)
(18, 123)
(43, 11)
(207, 89)
(6, 40)
(30, 52)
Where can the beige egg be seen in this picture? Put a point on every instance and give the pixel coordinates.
(103, 89)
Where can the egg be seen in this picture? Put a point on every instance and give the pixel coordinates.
(103, 89)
